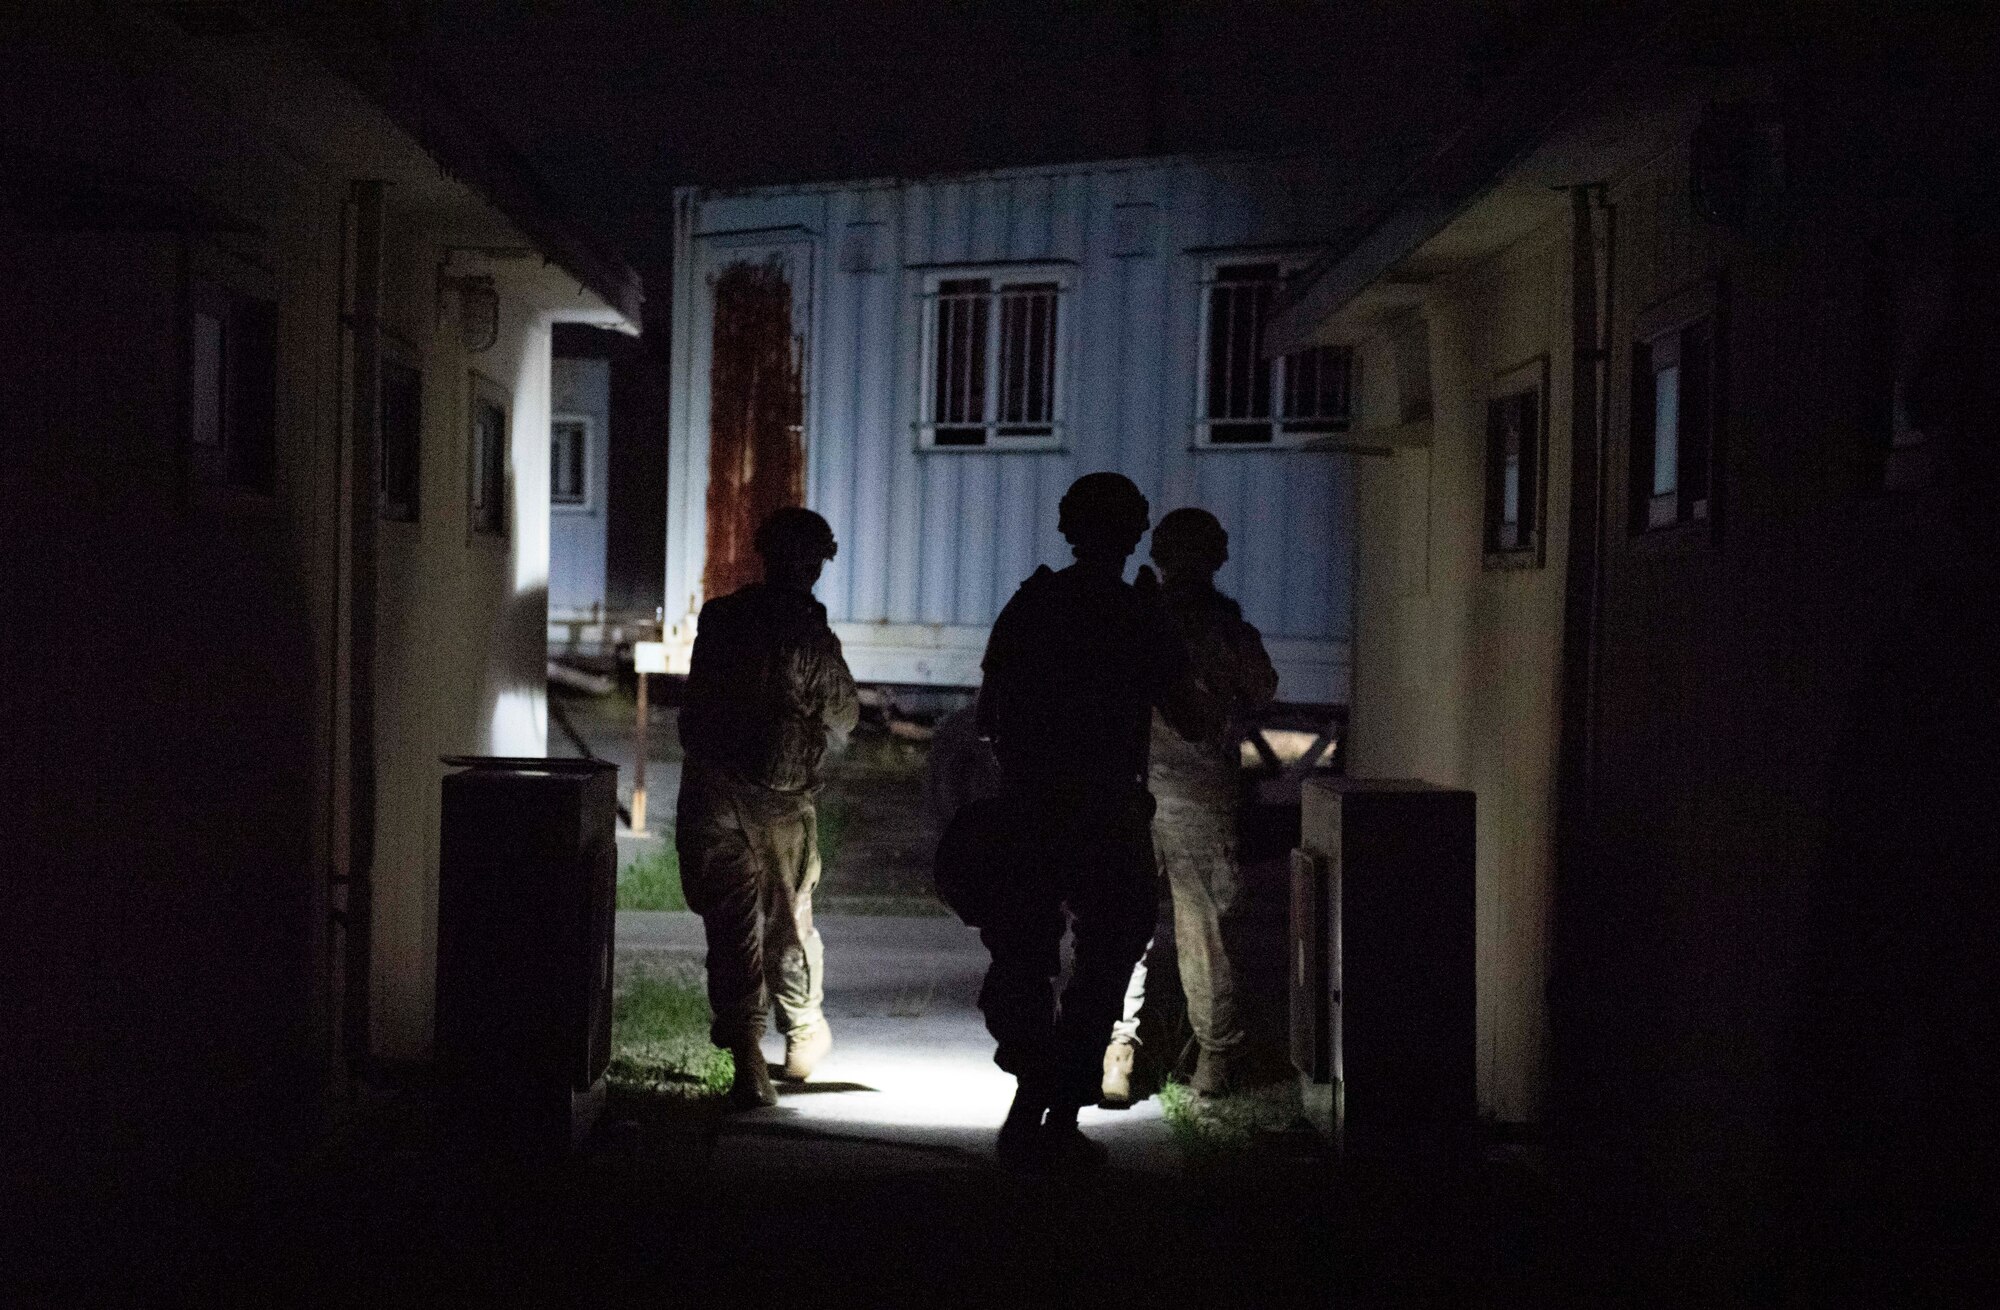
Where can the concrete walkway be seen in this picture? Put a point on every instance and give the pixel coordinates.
(912, 1064)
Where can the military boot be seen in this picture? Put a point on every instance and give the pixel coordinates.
(1213, 1074)
(1117, 1087)
(752, 1088)
(805, 1048)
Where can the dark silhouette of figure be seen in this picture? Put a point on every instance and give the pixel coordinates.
(1077, 663)
(766, 684)
(1195, 786)
(1898, 1131)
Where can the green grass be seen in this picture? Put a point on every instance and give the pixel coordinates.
(1213, 1129)
(659, 1039)
(652, 881)
(833, 818)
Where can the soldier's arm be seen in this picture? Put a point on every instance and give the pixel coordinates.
(827, 691)
(1180, 698)
(1257, 676)
(997, 675)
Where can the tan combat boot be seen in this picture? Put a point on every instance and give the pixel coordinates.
(805, 1048)
(1117, 1086)
(752, 1088)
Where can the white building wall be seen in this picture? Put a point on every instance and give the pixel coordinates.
(934, 542)
(582, 388)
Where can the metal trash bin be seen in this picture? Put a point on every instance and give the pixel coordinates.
(1383, 993)
(526, 896)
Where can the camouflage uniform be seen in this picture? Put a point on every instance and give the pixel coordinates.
(1075, 666)
(766, 683)
(1194, 830)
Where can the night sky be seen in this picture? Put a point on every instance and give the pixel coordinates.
(617, 102)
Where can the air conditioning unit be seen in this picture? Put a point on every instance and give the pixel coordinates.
(526, 899)
(1382, 989)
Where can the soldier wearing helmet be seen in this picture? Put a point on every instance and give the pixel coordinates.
(1077, 664)
(766, 684)
(1195, 783)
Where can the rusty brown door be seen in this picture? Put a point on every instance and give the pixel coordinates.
(756, 432)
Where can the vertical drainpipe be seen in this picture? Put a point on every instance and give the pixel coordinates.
(368, 197)
(1582, 608)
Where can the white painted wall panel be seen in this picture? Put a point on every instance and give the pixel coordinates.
(577, 533)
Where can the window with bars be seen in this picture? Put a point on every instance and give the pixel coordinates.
(1246, 400)
(993, 355)
(569, 461)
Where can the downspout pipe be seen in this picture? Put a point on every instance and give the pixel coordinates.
(369, 206)
(1590, 308)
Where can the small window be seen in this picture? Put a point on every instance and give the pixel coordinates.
(400, 463)
(1248, 401)
(993, 358)
(1517, 467)
(1673, 426)
(569, 462)
(488, 475)
(233, 389)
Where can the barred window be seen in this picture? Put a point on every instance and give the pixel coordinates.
(993, 360)
(1247, 400)
(569, 461)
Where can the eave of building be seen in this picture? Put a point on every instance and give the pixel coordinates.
(347, 107)
(1547, 126)
(1656, 109)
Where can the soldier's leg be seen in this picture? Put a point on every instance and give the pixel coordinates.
(1018, 995)
(720, 879)
(1198, 847)
(1113, 911)
(794, 956)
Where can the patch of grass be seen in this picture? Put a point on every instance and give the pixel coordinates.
(1216, 1128)
(833, 815)
(652, 881)
(659, 1039)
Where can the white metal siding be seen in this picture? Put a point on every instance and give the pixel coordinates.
(577, 533)
(934, 542)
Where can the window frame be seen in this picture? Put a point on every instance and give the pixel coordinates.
(218, 466)
(396, 354)
(1695, 518)
(587, 503)
(1528, 377)
(1063, 274)
(484, 391)
(1289, 263)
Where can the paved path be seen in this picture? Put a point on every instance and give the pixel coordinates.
(912, 1064)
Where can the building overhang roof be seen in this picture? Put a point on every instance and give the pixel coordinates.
(1554, 124)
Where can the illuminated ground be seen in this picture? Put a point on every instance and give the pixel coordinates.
(912, 1063)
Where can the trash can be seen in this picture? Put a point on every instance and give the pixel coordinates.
(1383, 995)
(526, 896)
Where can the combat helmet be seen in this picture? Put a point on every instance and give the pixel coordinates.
(1103, 511)
(795, 531)
(1192, 536)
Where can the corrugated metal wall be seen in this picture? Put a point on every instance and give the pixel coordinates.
(943, 537)
(577, 532)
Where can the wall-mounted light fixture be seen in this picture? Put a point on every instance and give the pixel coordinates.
(478, 312)
(478, 297)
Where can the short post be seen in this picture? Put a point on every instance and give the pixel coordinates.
(648, 658)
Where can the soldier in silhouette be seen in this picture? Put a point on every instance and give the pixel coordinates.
(1077, 663)
(766, 684)
(1195, 785)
